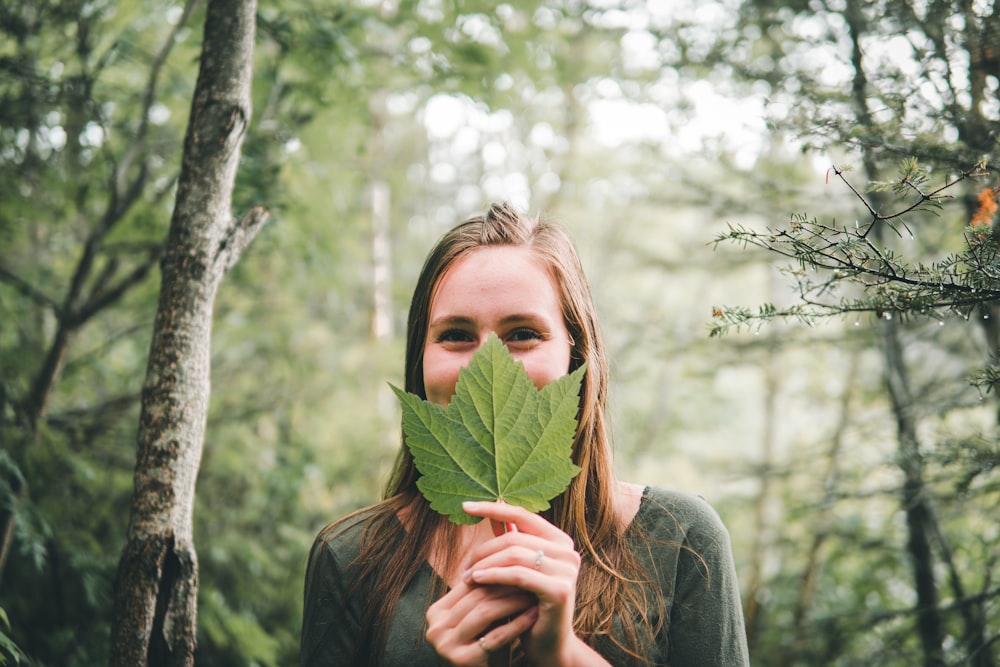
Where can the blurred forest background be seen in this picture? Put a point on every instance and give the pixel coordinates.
(854, 460)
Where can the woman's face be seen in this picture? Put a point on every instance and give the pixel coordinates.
(502, 289)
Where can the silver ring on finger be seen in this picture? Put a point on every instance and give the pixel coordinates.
(539, 555)
(482, 645)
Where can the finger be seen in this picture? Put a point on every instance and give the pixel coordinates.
(553, 581)
(491, 614)
(473, 612)
(464, 598)
(492, 643)
(525, 578)
(455, 631)
(462, 589)
(504, 633)
(536, 554)
(526, 550)
(520, 518)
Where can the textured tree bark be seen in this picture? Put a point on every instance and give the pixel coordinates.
(155, 608)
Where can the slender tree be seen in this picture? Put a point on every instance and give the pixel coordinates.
(156, 588)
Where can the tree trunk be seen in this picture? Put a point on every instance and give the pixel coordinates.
(155, 606)
(915, 501)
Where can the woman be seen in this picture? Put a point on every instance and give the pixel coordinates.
(612, 574)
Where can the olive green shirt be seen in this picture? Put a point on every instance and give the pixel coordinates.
(678, 538)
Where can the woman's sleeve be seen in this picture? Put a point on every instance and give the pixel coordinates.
(330, 619)
(706, 621)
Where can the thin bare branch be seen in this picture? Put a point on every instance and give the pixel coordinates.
(149, 97)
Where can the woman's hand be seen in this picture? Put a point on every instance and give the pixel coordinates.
(536, 558)
(521, 583)
(470, 623)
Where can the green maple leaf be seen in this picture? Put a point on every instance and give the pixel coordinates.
(500, 438)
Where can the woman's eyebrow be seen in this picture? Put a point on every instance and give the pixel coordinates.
(463, 320)
(520, 318)
(451, 320)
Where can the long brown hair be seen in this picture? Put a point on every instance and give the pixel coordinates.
(610, 581)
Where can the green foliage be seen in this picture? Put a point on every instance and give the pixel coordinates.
(227, 631)
(831, 260)
(499, 438)
(302, 427)
(918, 255)
(9, 652)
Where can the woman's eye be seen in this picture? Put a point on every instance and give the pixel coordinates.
(523, 336)
(454, 336)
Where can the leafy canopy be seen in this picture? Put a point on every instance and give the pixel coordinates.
(500, 438)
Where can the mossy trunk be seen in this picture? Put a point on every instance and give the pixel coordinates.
(156, 591)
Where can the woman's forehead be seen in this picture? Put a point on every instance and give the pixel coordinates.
(511, 276)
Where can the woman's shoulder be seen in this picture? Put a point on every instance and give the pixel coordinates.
(342, 538)
(680, 517)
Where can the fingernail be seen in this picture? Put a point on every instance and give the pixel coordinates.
(468, 576)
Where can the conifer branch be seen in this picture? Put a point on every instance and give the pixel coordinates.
(829, 259)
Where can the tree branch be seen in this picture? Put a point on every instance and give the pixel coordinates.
(27, 289)
(101, 300)
(149, 97)
(238, 237)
